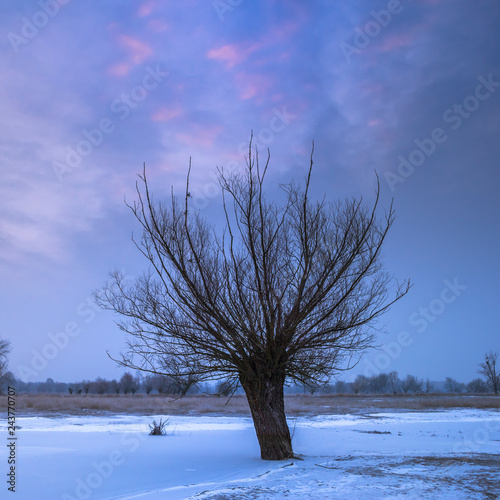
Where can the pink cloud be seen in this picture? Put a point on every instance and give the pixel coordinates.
(395, 42)
(282, 31)
(157, 26)
(120, 69)
(165, 114)
(137, 53)
(146, 8)
(199, 136)
(374, 122)
(230, 55)
(251, 85)
(372, 90)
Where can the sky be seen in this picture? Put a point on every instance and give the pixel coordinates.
(89, 92)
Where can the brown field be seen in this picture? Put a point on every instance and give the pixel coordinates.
(56, 404)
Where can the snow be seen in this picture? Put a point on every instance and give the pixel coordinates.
(451, 454)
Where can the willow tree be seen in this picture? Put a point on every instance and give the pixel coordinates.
(284, 291)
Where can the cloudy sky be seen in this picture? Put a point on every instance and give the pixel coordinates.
(90, 91)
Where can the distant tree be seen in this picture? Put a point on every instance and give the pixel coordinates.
(328, 388)
(5, 349)
(148, 384)
(406, 384)
(70, 390)
(205, 388)
(60, 387)
(196, 389)
(287, 290)
(6, 376)
(6, 380)
(429, 386)
(378, 383)
(180, 382)
(394, 382)
(340, 387)
(115, 386)
(490, 371)
(360, 384)
(161, 383)
(477, 386)
(100, 386)
(27, 387)
(128, 383)
(49, 386)
(452, 385)
(225, 387)
(311, 387)
(137, 384)
(86, 384)
(412, 384)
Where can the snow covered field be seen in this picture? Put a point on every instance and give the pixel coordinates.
(407, 455)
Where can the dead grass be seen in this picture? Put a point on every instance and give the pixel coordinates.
(477, 459)
(30, 404)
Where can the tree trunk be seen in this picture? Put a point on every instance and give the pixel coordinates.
(266, 401)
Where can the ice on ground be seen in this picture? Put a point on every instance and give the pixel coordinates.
(128, 423)
(378, 455)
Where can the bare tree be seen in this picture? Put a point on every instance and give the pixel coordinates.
(478, 385)
(148, 383)
(288, 291)
(340, 387)
(86, 384)
(429, 386)
(6, 377)
(161, 383)
(412, 384)
(225, 388)
(489, 370)
(129, 383)
(115, 386)
(360, 384)
(394, 381)
(180, 381)
(453, 385)
(312, 386)
(378, 383)
(99, 385)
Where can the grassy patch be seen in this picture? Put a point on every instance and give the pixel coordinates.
(300, 404)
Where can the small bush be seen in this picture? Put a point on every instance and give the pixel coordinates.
(158, 429)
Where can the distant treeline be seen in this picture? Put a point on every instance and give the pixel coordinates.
(383, 383)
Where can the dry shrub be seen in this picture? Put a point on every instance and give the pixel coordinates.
(158, 429)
